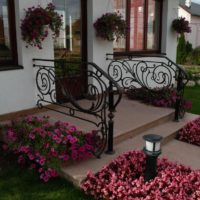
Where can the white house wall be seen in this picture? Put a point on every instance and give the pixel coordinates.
(183, 13)
(17, 87)
(169, 37)
(194, 37)
(98, 48)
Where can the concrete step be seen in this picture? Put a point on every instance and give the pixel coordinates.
(76, 173)
(142, 127)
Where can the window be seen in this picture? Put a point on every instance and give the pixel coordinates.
(8, 53)
(143, 19)
(69, 44)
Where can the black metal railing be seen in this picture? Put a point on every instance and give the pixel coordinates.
(102, 93)
(149, 71)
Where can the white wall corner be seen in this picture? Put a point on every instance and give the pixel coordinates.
(169, 37)
(20, 90)
(97, 47)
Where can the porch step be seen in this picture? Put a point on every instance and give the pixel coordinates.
(140, 128)
(77, 173)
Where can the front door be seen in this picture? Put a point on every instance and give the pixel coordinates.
(71, 46)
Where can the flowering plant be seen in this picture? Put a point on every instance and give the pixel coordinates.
(109, 26)
(123, 178)
(181, 25)
(162, 98)
(191, 132)
(34, 26)
(45, 146)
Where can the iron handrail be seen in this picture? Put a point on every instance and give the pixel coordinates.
(162, 55)
(115, 84)
(129, 69)
(102, 104)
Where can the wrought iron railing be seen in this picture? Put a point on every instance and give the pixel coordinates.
(101, 91)
(149, 71)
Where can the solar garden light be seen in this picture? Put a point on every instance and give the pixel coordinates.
(152, 150)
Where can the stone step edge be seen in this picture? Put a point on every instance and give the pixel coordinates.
(142, 128)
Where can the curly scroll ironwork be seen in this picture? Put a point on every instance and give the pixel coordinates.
(143, 73)
(96, 93)
(150, 72)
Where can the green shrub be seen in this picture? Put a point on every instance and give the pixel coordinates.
(196, 56)
(181, 50)
(188, 47)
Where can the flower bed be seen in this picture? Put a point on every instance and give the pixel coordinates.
(161, 98)
(44, 146)
(123, 179)
(190, 132)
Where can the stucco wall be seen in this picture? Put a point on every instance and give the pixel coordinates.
(97, 48)
(17, 87)
(169, 37)
(194, 37)
(183, 13)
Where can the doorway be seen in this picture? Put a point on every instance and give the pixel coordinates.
(70, 49)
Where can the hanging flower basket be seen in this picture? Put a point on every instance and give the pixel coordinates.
(110, 26)
(37, 22)
(181, 25)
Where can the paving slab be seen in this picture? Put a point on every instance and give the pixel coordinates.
(183, 153)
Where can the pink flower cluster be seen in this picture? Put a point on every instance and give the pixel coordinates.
(123, 179)
(45, 146)
(191, 132)
(165, 97)
(33, 25)
(110, 26)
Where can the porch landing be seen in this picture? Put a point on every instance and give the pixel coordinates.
(132, 121)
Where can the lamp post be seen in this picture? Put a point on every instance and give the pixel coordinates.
(152, 150)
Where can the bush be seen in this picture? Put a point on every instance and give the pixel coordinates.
(44, 146)
(196, 56)
(191, 132)
(165, 97)
(123, 178)
(188, 48)
(181, 50)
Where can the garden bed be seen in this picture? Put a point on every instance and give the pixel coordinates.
(190, 133)
(165, 97)
(20, 183)
(44, 147)
(123, 179)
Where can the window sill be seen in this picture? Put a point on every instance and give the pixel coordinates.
(11, 67)
(120, 55)
(142, 53)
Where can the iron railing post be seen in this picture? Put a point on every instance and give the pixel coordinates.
(111, 121)
(178, 99)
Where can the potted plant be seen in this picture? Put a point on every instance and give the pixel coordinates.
(110, 26)
(37, 22)
(181, 25)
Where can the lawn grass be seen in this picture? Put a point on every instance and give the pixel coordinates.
(17, 183)
(193, 94)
